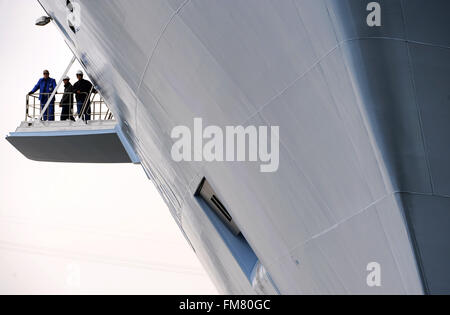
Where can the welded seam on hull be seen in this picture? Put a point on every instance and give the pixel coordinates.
(152, 53)
(157, 43)
(340, 44)
(332, 228)
(397, 39)
(335, 226)
(394, 193)
(379, 201)
(332, 23)
(297, 10)
(271, 100)
(416, 101)
(339, 114)
(408, 221)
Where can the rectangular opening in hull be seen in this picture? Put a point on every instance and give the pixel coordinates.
(238, 245)
(206, 192)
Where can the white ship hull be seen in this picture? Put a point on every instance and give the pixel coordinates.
(361, 129)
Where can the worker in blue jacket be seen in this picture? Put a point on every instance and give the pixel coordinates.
(46, 86)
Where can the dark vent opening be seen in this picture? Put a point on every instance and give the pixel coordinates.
(221, 208)
(207, 193)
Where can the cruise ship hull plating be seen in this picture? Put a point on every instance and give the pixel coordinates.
(364, 123)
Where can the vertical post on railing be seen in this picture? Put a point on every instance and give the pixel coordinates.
(57, 87)
(34, 107)
(27, 107)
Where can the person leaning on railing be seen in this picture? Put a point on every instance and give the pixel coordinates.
(46, 86)
(67, 101)
(82, 88)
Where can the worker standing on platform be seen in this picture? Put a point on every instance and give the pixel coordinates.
(82, 89)
(67, 101)
(46, 86)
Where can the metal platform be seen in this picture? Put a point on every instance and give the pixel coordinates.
(73, 142)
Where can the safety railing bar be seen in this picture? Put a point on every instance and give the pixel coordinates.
(34, 107)
(27, 107)
(100, 111)
(86, 101)
(107, 112)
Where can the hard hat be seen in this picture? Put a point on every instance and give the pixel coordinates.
(79, 72)
(66, 78)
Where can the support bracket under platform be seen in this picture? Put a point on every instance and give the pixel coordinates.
(73, 142)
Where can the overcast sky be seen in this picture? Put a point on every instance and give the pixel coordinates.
(119, 237)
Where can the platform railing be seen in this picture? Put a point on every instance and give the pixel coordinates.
(99, 109)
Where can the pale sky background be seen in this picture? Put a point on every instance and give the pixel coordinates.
(119, 238)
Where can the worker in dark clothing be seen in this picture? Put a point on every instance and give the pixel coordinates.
(46, 86)
(81, 90)
(67, 101)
